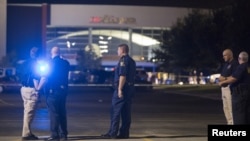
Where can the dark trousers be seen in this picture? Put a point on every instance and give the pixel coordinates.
(241, 106)
(121, 109)
(56, 102)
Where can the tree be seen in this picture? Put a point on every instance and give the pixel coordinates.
(189, 44)
(87, 59)
(233, 28)
(197, 40)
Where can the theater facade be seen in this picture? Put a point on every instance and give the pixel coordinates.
(101, 28)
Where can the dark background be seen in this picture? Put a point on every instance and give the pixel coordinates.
(170, 3)
(24, 29)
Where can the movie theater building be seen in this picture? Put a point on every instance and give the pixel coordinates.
(104, 27)
(100, 28)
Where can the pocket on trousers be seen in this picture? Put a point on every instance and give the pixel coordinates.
(29, 93)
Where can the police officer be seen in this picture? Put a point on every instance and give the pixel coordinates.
(122, 97)
(228, 68)
(57, 86)
(32, 83)
(240, 85)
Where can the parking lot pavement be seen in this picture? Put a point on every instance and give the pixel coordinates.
(94, 138)
(213, 96)
(193, 92)
(204, 91)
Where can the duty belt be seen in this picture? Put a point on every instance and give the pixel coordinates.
(129, 84)
(52, 90)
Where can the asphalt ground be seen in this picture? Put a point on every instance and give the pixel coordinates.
(212, 91)
(205, 91)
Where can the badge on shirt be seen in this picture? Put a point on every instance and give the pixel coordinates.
(122, 64)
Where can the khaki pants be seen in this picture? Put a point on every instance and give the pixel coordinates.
(227, 104)
(30, 99)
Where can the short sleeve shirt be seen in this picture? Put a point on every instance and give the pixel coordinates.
(125, 67)
(229, 68)
(241, 74)
(29, 72)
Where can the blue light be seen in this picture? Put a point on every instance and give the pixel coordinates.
(42, 68)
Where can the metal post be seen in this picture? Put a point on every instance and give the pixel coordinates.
(44, 27)
(130, 42)
(90, 36)
(3, 21)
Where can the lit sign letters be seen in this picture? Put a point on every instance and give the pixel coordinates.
(112, 20)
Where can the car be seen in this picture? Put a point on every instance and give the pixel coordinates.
(8, 79)
(214, 78)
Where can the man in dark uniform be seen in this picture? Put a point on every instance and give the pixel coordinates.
(228, 68)
(57, 87)
(240, 85)
(124, 79)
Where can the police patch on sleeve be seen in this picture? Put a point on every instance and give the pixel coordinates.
(122, 63)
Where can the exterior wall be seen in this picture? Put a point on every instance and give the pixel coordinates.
(3, 16)
(24, 26)
(141, 20)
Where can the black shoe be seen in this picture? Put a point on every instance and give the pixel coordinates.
(108, 136)
(63, 139)
(53, 139)
(30, 137)
(122, 137)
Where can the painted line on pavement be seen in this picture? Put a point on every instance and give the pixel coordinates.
(147, 139)
(5, 103)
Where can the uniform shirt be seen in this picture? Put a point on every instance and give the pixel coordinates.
(242, 75)
(229, 68)
(58, 75)
(29, 73)
(125, 67)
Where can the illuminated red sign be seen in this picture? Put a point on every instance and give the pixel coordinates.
(112, 20)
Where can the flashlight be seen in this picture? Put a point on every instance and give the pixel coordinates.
(42, 68)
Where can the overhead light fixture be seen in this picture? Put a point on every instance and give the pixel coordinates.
(103, 42)
(109, 38)
(101, 37)
(103, 46)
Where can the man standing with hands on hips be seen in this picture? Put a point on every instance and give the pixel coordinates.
(124, 79)
(57, 89)
(228, 68)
